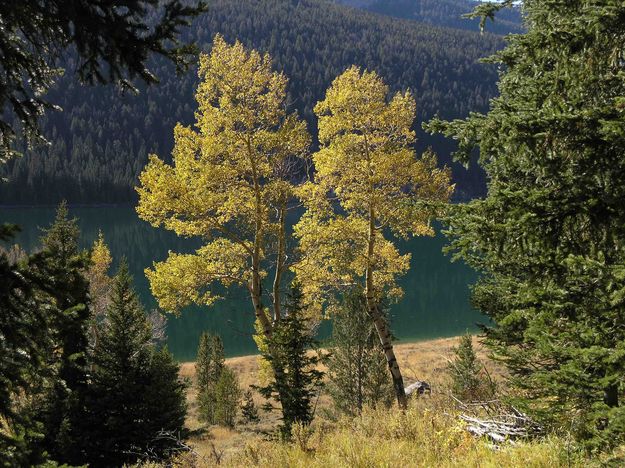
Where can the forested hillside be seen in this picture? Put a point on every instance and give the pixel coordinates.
(101, 140)
(441, 13)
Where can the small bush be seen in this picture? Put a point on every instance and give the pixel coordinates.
(470, 381)
(248, 408)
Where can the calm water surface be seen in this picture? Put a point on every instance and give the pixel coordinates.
(435, 304)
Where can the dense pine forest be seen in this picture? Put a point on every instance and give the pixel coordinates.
(441, 13)
(101, 139)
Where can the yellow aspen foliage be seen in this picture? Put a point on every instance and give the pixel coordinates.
(368, 184)
(366, 173)
(100, 259)
(228, 184)
(265, 372)
(99, 281)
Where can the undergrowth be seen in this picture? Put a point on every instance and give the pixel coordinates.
(428, 434)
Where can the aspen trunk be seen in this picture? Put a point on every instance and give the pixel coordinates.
(280, 260)
(385, 338)
(256, 288)
(380, 323)
(255, 294)
(261, 315)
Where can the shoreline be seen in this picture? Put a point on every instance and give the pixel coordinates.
(421, 359)
(408, 342)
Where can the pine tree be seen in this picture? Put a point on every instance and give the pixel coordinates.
(548, 238)
(296, 379)
(227, 396)
(248, 408)
(210, 364)
(35, 34)
(61, 238)
(135, 392)
(165, 399)
(470, 382)
(218, 359)
(203, 362)
(357, 370)
(25, 325)
(65, 265)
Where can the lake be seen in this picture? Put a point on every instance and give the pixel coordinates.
(435, 304)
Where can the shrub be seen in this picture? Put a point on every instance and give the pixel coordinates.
(248, 408)
(357, 369)
(227, 396)
(470, 380)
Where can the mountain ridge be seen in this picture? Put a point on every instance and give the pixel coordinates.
(447, 13)
(100, 142)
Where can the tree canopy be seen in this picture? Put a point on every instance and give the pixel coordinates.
(549, 238)
(112, 42)
(368, 183)
(229, 184)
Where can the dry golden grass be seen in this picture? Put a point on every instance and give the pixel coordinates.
(427, 360)
(424, 360)
(426, 435)
(429, 434)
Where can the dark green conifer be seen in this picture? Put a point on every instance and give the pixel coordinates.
(217, 360)
(24, 355)
(165, 399)
(248, 408)
(227, 396)
(357, 370)
(296, 379)
(203, 361)
(136, 392)
(469, 379)
(62, 264)
(110, 44)
(209, 367)
(549, 237)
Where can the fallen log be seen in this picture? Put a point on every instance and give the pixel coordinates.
(419, 387)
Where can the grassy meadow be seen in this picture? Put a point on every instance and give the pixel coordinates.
(429, 434)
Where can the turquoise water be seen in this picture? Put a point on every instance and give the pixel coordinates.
(435, 304)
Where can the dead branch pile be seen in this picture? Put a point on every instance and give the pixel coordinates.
(498, 422)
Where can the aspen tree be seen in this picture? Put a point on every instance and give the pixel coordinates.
(368, 184)
(228, 184)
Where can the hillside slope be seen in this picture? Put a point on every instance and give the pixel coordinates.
(101, 140)
(446, 13)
